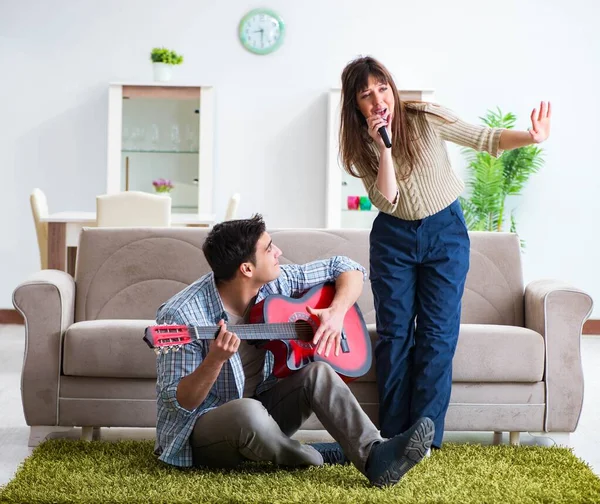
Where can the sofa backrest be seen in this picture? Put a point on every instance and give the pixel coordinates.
(128, 273)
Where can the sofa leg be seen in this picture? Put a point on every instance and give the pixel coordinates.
(515, 438)
(552, 438)
(39, 433)
(497, 438)
(87, 433)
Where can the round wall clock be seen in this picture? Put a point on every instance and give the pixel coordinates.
(261, 31)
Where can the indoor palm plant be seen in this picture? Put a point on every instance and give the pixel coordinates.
(163, 61)
(491, 181)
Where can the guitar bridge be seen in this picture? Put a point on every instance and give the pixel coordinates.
(344, 343)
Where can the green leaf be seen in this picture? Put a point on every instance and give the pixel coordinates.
(163, 55)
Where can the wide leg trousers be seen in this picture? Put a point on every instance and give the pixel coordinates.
(418, 271)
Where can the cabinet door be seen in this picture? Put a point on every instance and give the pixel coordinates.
(156, 139)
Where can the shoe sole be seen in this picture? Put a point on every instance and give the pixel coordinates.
(416, 449)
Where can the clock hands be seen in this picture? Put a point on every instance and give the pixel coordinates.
(262, 36)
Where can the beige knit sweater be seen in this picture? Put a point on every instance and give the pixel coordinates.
(433, 184)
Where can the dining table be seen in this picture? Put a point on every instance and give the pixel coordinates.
(64, 229)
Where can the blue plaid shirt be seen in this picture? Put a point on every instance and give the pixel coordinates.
(200, 304)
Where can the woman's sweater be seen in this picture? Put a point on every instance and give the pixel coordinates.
(433, 184)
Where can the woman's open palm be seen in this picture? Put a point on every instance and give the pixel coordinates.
(540, 123)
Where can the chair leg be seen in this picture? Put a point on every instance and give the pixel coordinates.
(514, 438)
(497, 438)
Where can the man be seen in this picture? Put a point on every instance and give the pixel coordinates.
(218, 403)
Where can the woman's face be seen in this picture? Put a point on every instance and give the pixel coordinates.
(376, 98)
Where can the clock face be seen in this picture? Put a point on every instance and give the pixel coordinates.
(261, 31)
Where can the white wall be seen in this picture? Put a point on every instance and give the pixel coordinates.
(58, 57)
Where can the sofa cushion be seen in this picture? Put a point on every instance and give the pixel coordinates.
(491, 353)
(485, 353)
(108, 348)
(498, 353)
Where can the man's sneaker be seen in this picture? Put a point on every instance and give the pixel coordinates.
(332, 453)
(390, 460)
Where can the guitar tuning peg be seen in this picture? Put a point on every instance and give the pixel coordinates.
(176, 348)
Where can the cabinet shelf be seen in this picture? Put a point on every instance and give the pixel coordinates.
(372, 210)
(146, 151)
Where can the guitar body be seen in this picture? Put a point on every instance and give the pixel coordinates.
(292, 355)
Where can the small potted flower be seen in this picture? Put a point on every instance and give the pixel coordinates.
(163, 186)
(163, 61)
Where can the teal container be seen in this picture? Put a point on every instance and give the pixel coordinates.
(365, 203)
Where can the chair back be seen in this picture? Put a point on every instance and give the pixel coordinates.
(39, 209)
(232, 207)
(133, 209)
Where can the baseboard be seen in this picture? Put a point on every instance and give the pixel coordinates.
(592, 326)
(11, 317)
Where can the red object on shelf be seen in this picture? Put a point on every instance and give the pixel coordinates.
(353, 202)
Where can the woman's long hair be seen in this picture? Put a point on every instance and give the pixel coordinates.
(357, 156)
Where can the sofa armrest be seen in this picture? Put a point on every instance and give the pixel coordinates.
(47, 302)
(558, 311)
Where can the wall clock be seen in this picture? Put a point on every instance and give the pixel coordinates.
(261, 31)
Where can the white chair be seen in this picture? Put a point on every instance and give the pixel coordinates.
(39, 208)
(133, 209)
(232, 207)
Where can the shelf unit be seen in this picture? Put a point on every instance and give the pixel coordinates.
(162, 131)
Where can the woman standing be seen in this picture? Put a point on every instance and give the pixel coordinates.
(419, 245)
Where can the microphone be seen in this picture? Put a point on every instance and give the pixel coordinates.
(384, 135)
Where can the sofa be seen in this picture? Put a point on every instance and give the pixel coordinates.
(517, 366)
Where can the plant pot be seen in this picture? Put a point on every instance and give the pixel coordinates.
(162, 72)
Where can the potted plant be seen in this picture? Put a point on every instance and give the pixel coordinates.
(491, 180)
(163, 186)
(163, 61)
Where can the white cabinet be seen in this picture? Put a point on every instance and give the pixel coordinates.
(162, 132)
(339, 184)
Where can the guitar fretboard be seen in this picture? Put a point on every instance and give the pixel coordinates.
(283, 331)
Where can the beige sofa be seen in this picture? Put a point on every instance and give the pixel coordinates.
(517, 367)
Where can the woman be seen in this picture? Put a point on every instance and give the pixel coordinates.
(419, 245)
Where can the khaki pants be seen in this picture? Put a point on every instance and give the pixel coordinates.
(259, 429)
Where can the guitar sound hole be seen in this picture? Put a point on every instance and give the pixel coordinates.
(304, 330)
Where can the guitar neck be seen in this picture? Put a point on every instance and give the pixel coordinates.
(279, 331)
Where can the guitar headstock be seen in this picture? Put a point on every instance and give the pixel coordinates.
(162, 338)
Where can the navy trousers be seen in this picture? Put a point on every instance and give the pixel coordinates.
(418, 271)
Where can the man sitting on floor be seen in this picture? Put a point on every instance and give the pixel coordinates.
(219, 404)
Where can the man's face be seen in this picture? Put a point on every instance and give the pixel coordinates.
(267, 260)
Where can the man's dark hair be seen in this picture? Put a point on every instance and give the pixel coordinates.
(231, 243)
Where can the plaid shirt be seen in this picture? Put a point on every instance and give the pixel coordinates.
(200, 304)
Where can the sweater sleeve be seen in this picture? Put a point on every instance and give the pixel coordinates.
(380, 201)
(452, 129)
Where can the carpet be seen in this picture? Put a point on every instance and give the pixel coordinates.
(65, 471)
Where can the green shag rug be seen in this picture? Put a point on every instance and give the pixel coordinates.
(63, 471)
